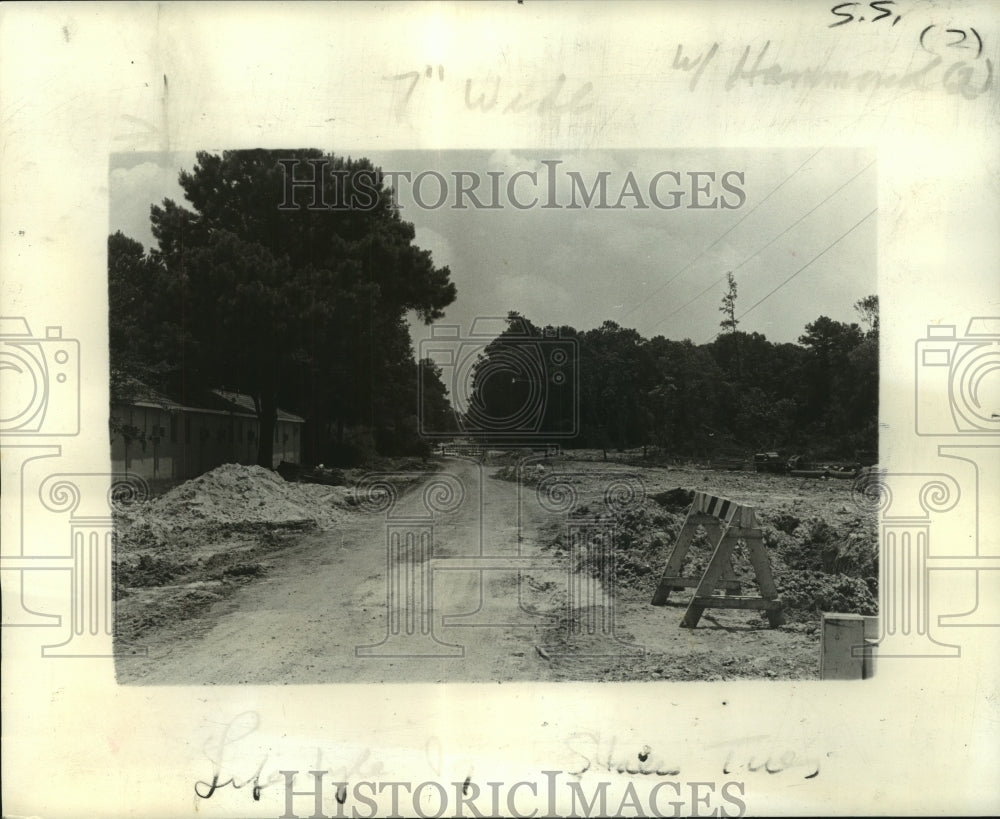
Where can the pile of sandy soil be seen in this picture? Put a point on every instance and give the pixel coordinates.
(180, 553)
(237, 494)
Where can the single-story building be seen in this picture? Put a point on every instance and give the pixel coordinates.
(157, 437)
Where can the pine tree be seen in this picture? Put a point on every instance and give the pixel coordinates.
(299, 307)
(728, 308)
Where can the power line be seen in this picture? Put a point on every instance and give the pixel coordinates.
(673, 278)
(765, 247)
(813, 259)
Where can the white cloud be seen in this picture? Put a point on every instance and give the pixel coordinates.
(441, 249)
(543, 301)
(133, 190)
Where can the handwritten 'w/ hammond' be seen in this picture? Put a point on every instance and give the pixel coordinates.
(959, 77)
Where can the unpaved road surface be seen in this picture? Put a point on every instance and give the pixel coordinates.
(327, 595)
(323, 604)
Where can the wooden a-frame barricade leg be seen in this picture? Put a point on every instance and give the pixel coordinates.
(726, 523)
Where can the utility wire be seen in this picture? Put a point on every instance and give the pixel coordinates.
(762, 249)
(673, 278)
(813, 259)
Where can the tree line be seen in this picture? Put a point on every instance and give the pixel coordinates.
(306, 309)
(737, 394)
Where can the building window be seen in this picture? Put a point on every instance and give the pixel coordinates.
(173, 427)
(187, 429)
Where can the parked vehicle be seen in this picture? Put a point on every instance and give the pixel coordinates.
(799, 467)
(769, 462)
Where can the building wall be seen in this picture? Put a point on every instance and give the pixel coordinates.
(181, 444)
(288, 442)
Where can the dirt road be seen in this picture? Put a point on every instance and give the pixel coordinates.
(327, 595)
(323, 611)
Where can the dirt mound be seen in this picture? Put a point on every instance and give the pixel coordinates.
(296, 473)
(816, 546)
(643, 538)
(807, 594)
(238, 494)
(676, 500)
(527, 475)
(178, 554)
(823, 552)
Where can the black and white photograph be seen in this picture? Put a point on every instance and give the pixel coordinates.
(538, 363)
(512, 409)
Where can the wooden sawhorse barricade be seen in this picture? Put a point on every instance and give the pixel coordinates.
(726, 523)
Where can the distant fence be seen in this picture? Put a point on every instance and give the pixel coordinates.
(463, 450)
(480, 450)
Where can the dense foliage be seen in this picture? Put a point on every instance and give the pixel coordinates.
(737, 394)
(303, 308)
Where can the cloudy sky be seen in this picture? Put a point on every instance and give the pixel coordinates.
(659, 271)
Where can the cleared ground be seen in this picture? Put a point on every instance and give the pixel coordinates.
(244, 578)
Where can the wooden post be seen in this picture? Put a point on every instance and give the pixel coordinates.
(839, 635)
(871, 647)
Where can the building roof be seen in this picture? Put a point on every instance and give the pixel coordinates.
(151, 398)
(214, 402)
(245, 403)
